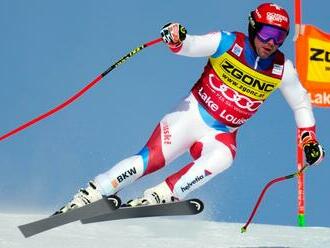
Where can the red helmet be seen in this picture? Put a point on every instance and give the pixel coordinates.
(270, 14)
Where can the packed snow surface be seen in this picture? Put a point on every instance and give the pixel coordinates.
(159, 233)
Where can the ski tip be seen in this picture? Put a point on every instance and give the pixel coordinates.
(25, 232)
(197, 204)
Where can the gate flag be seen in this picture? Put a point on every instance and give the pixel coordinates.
(313, 63)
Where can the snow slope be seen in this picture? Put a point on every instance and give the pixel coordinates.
(159, 233)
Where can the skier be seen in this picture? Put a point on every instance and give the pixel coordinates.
(241, 73)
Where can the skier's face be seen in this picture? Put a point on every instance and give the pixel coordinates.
(265, 49)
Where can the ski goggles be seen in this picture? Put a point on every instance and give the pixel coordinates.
(267, 33)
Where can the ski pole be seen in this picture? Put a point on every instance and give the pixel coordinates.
(81, 92)
(276, 180)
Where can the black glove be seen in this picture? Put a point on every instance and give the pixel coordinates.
(173, 34)
(314, 152)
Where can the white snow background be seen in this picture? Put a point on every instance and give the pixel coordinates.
(182, 232)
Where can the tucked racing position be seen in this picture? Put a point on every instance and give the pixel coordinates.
(241, 73)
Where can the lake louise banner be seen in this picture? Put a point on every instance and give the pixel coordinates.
(313, 63)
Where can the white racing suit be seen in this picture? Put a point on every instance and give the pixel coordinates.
(234, 84)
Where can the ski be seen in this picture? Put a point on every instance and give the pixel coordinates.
(102, 206)
(187, 207)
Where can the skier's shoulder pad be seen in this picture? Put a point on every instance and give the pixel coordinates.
(226, 41)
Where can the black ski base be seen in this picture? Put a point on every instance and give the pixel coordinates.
(187, 207)
(108, 209)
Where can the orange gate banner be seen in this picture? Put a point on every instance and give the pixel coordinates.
(313, 63)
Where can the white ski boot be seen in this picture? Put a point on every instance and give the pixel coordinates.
(156, 195)
(82, 198)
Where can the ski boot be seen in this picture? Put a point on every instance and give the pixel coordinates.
(156, 195)
(83, 197)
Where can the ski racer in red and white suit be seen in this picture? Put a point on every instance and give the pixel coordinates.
(241, 73)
